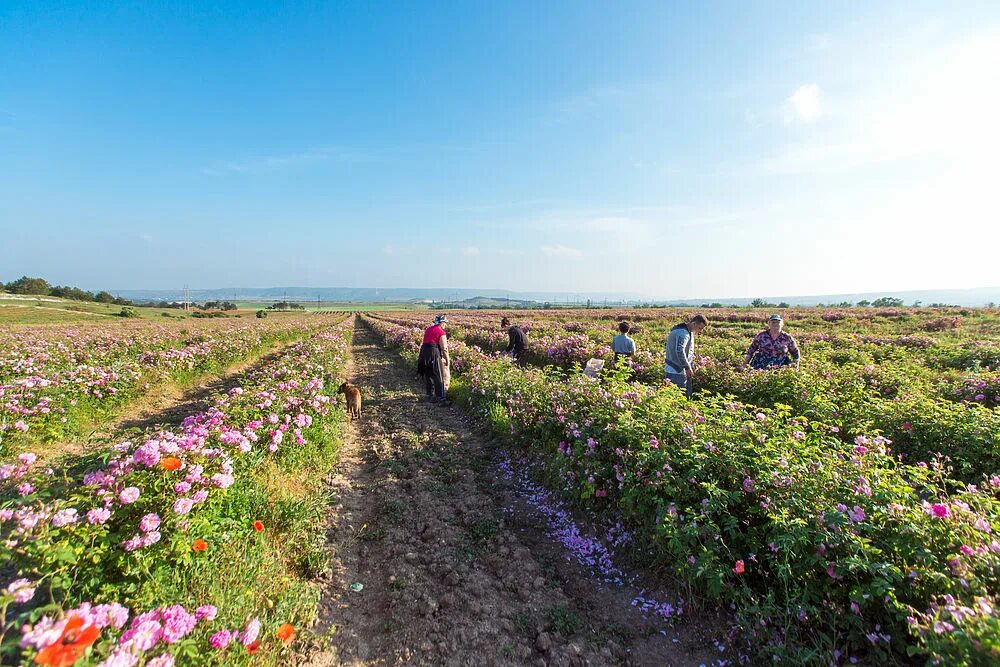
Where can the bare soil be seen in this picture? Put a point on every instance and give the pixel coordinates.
(447, 567)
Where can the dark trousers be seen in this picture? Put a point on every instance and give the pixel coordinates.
(430, 366)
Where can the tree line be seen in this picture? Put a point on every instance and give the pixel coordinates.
(41, 287)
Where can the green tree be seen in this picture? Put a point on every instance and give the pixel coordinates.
(26, 285)
(104, 297)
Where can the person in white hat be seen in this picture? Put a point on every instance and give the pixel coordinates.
(773, 348)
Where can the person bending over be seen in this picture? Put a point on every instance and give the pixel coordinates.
(678, 367)
(518, 343)
(622, 344)
(433, 360)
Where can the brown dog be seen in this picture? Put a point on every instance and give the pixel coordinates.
(353, 396)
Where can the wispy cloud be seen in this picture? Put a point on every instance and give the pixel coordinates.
(560, 250)
(804, 105)
(819, 42)
(943, 109)
(279, 162)
(470, 252)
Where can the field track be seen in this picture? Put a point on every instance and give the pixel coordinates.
(455, 570)
(166, 404)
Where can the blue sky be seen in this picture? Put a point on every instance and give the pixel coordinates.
(675, 150)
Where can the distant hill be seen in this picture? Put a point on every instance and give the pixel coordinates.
(491, 302)
(368, 294)
(475, 297)
(980, 296)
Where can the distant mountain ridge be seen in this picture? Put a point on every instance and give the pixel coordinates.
(959, 297)
(977, 296)
(367, 294)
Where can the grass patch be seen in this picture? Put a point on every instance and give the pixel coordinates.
(563, 620)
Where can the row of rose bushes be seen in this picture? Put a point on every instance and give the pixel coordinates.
(849, 389)
(57, 381)
(973, 344)
(874, 399)
(189, 531)
(565, 343)
(828, 550)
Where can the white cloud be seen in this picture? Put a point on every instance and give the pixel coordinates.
(942, 108)
(560, 250)
(820, 42)
(804, 105)
(389, 250)
(617, 225)
(271, 163)
(470, 252)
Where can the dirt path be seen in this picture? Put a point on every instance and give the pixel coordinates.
(453, 571)
(169, 403)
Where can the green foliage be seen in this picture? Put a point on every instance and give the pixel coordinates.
(795, 511)
(243, 571)
(26, 285)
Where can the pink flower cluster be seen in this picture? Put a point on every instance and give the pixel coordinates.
(146, 633)
(223, 638)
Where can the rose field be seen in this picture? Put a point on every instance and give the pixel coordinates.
(181, 542)
(843, 510)
(166, 494)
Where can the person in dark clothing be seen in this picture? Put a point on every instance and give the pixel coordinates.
(433, 358)
(518, 344)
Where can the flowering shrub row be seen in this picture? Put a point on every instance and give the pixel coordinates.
(983, 390)
(189, 500)
(848, 389)
(53, 378)
(828, 550)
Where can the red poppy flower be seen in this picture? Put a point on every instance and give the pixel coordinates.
(70, 646)
(253, 648)
(286, 632)
(258, 526)
(170, 462)
(739, 569)
(199, 545)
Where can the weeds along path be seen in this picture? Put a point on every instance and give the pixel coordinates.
(452, 570)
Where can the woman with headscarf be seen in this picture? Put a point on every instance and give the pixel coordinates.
(433, 359)
(772, 348)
